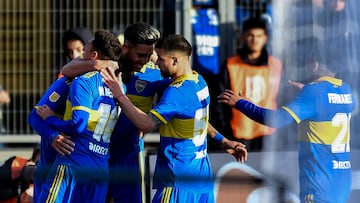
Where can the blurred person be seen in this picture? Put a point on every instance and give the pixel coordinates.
(89, 119)
(255, 73)
(143, 81)
(4, 100)
(322, 110)
(341, 27)
(183, 172)
(4, 96)
(336, 5)
(16, 178)
(341, 23)
(246, 9)
(74, 41)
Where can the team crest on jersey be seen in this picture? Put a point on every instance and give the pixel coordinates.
(54, 97)
(140, 85)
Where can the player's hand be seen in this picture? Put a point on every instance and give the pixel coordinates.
(63, 144)
(113, 82)
(44, 111)
(237, 149)
(228, 97)
(296, 84)
(4, 97)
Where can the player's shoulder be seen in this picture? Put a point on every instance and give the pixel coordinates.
(88, 74)
(86, 77)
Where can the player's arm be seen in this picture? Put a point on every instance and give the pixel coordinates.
(144, 122)
(40, 127)
(273, 118)
(61, 143)
(80, 66)
(55, 122)
(237, 149)
(80, 111)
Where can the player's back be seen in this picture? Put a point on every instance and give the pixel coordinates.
(184, 135)
(323, 111)
(91, 111)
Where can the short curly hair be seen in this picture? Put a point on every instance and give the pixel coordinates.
(107, 44)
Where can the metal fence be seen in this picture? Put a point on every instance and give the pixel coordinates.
(31, 31)
(30, 42)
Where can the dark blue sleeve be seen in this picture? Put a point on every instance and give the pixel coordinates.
(41, 127)
(66, 127)
(273, 118)
(81, 100)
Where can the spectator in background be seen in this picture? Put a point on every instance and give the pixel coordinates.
(257, 75)
(340, 21)
(341, 30)
(74, 41)
(246, 9)
(4, 99)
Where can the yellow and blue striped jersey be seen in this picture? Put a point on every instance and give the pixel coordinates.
(323, 111)
(89, 118)
(182, 159)
(141, 90)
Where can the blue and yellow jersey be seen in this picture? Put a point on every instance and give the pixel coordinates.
(141, 90)
(55, 97)
(182, 159)
(89, 118)
(324, 135)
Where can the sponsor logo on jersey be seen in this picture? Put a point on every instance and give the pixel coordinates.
(341, 164)
(98, 149)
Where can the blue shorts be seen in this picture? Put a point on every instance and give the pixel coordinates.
(175, 195)
(127, 178)
(62, 185)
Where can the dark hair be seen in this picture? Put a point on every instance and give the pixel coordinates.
(325, 56)
(78, 33)
(141, 33)
(107, 44)
(253, 23)
(174, 42)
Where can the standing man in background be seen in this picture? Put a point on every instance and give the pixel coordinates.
(74, 41)
(254, 73)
